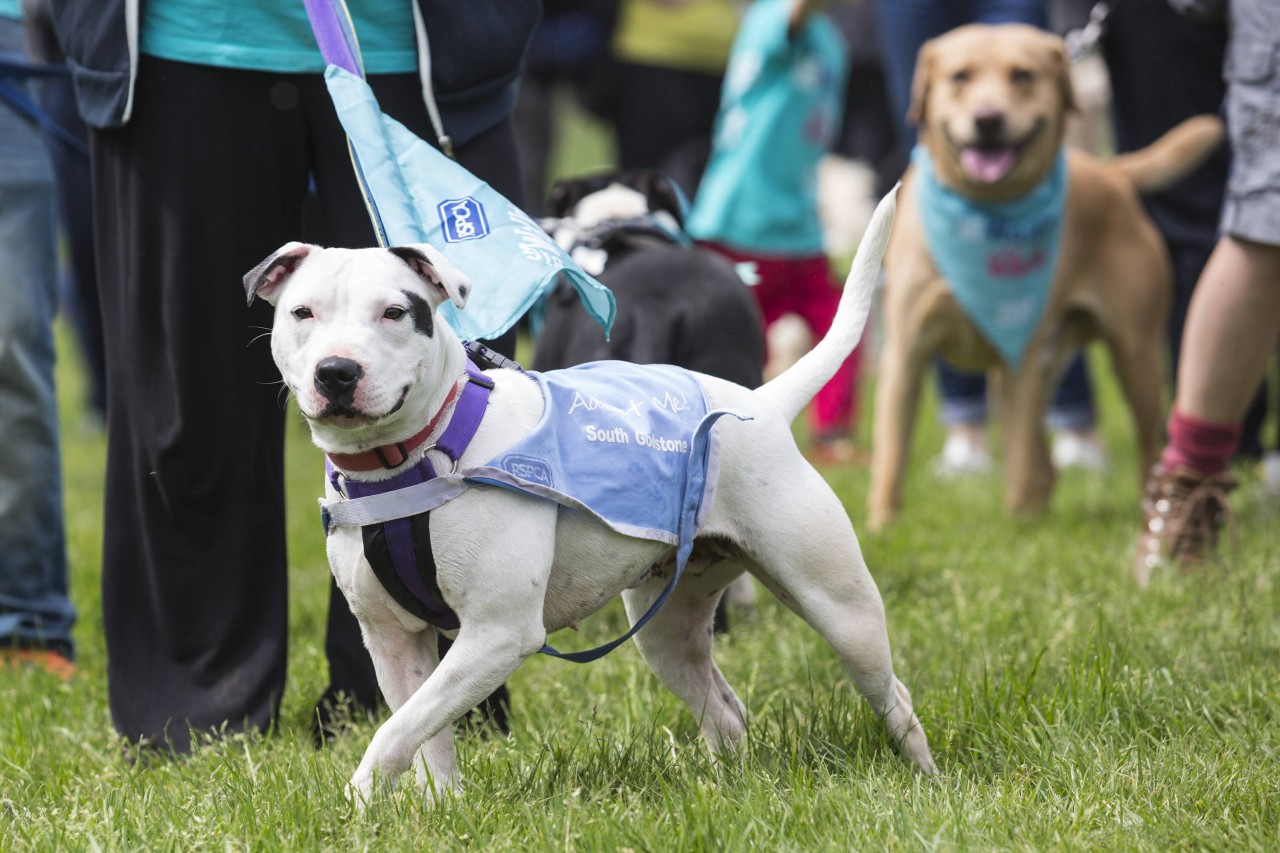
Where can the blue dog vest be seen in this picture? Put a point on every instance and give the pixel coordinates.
(999, 259)
(613, 440)
(629, 444)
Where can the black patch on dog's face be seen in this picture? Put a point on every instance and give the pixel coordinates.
(424, 322)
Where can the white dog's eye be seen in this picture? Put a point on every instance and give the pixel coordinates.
(302, 312)
(1021, 76)
(395, 312)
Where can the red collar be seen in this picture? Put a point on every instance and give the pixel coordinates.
(391, 456)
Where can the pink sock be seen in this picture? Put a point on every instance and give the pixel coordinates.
(1204, 447)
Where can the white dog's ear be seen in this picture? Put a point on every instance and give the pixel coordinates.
(265, 279)
(444, 280)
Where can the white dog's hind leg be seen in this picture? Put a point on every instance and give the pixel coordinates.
(676, 643)
(482, 657)
(403, 662)
(498, 583)
(809, 557)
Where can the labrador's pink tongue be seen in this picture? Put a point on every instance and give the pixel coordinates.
(987, 167)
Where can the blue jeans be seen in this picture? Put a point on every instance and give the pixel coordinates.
(34, 607)
(905, 25)
(964, 397)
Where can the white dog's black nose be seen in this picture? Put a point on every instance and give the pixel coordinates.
(336, 378)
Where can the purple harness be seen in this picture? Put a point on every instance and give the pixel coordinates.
(400, 550)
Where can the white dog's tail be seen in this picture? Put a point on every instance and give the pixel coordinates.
(792, 390)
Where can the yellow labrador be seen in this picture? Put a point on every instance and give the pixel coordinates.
(990, 103)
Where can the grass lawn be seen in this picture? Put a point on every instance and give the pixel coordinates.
(1066, 709)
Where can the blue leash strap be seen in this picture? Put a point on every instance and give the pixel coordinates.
(691, 501)
(17, 98)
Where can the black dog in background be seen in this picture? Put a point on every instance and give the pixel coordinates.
(677, 304)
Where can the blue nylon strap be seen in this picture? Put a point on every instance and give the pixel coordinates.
(13, 69)
(689, 504)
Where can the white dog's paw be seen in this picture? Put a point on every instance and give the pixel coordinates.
(437, 787)
(360, 790)
(436, 793)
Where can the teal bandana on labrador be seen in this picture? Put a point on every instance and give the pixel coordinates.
(998, 259)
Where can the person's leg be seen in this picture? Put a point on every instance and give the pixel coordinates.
(35, 611)
(75, 205)
(1234, 318)
(1231, 334)
(964, 412)
(536, 124)
(1231, 331)
(1033, 12)
(1073, 418)
(659, 109)
(905, 25)
(206, 180)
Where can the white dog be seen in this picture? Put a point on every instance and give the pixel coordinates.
(358, 343)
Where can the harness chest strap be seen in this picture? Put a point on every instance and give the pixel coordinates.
(399, 548)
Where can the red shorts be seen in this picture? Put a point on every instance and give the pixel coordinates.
(804, 286)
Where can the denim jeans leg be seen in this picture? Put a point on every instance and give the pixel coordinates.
(964, 396)
(1072, 407)
(34, 607)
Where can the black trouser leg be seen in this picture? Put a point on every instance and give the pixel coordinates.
(194, 191)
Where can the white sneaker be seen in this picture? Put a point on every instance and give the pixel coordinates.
(961, 457)
(1073, 449)
(1269, 468)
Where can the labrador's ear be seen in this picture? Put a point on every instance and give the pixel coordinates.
(444, 280)
(920, 83)
(266, 279)
(1060, 67)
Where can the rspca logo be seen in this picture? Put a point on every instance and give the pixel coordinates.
(462, 219)
(530, 469)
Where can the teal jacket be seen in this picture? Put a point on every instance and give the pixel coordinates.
(477, 48)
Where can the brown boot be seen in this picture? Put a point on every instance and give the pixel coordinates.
(1184, 512)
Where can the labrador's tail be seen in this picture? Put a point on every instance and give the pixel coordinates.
(1171, 157)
